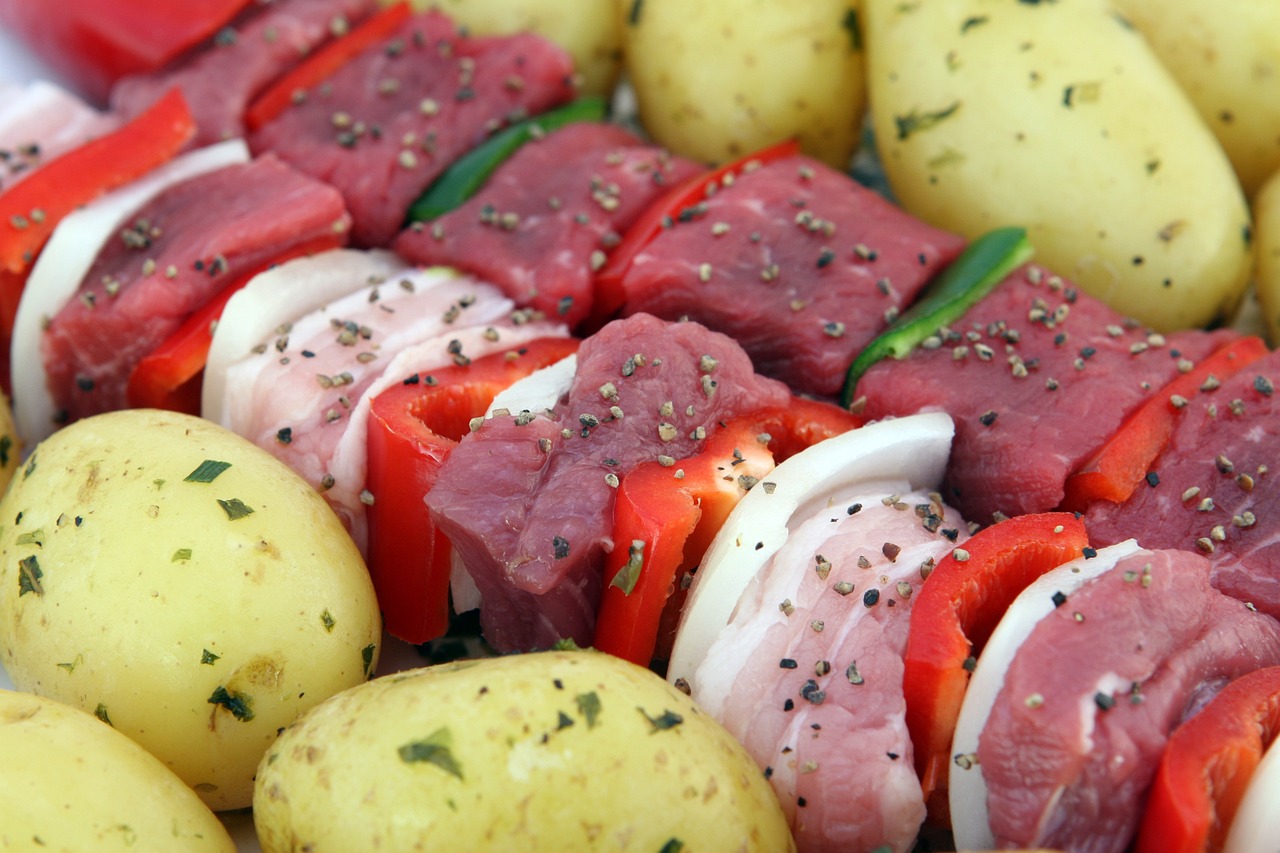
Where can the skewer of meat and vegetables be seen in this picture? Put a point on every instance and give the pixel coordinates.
(627, 426)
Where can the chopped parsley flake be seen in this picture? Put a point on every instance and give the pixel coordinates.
(235, 508)
(207, 471)
(436, 748)
(240, 706)
(589, 707)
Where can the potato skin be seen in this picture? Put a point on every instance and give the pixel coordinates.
(1059, 118)
(548, 751)
(715, 81)
(71, 782)
(199, 618)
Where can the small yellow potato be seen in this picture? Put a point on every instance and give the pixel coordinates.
(70, 782)
(185, 586)
(548, 751)
(718, 80)
(1059, 118)
(1266, 207)
(588, 29)
(1226, 57)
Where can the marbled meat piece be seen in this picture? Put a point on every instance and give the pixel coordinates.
(1078, 729)
(384, 126)
(220, 78)
(170, 257)
(1037, 376)
(798, 262)
(1214, 490)
(547, 218)
(527, 499)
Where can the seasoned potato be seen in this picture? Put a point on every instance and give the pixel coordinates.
(718, 80)
(588, 29)
(1226, 57)
(183, 585)
(1266, 207)
(550, 751)
(1059, 118)
(72, 783)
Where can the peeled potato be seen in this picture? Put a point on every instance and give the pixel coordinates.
(1266, 206)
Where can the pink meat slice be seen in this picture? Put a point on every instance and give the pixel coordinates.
(40, 121)
(526, 500)
(388, 123)
(1037, 376)
(795, 260)
(814, 691)
(1088, 704)
(547, 218)
(1214, 490)
(221, 78)
(171, 257)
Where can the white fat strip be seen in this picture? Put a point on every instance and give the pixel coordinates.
(46, 115)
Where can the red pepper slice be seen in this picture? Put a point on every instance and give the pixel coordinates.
(956, 610)
(168, 377)
(412, 428)
(31, 209)
(93, 43)
(1207, 766)
(1116, 470)
(609, 295)
(664, 523)
(321, 65)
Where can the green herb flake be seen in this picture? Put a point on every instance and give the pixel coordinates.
(70, 666)
(240, 705)
(29, 576)
(436, 748)
(35, 537)
(181, 555)
(30, 468)
(589, 707)
(664, 721)
(207, 471)
(566, 644)
(563, 720)
(673, 845)
(327, 620)
(850, 24)
(235, 508)
(629, 575)
(366, 655)
(207, 657)
(914, 122)
(6, 446)
(101, 713)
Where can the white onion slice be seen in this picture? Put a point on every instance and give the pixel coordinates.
(1256, 825)
(967, 788)
(66, 259)
(913, 449)
(538, 391)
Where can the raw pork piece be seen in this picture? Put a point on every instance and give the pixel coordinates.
(1037, 376)
(1078, 728)
(40, 121)
(221, 78)
(799, 263)
(547, 218)
(526, 499)
(814, 691)
(1214, 488)
(170, 257)
(386, 124)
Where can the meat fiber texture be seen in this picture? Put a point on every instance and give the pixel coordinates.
(1077, 731)
(526, 499)
(813, 687)
(38, 122)
(173, 255)
(1037, 376)
(220, 79)
(547, 218)
(388, 123)
(798, 262)
(1214, 490)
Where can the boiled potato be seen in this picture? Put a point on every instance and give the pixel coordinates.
(550, 751)
(587, 29)
(183, 585)
(716, 81)
(71, 782)
(1059, 118)
(1266, 207)
(1226, 57)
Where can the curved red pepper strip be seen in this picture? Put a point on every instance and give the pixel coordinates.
(322, 64)
(412, 428)
(954, 613)
(1207, 766)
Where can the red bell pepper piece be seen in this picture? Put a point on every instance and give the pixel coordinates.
(957, 608)
(31, 209)
(1119, 467)
(93, 43)
(609, 296)
(1207, 765)
(321, 64)
(168, 377)
(664, 523)
(412, 428)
